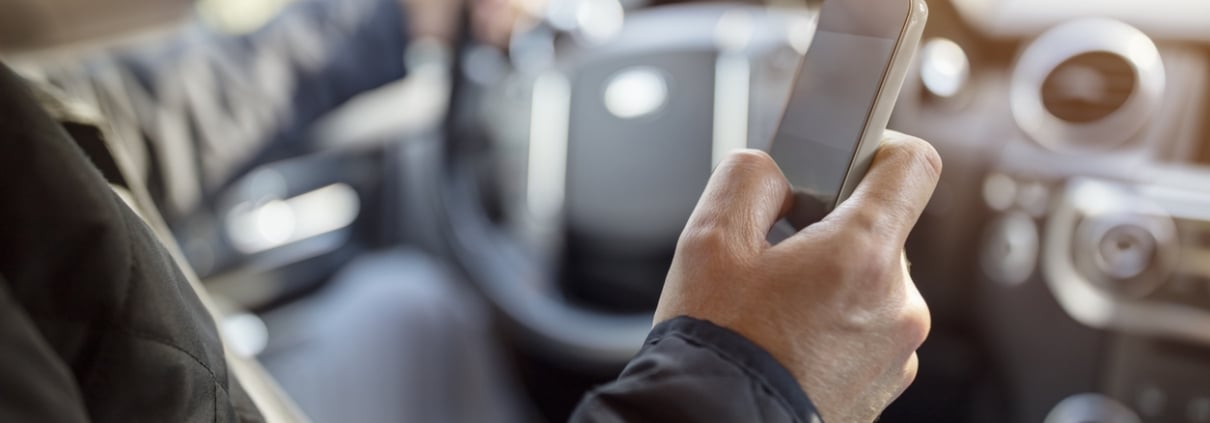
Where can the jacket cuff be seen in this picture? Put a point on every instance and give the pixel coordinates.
(734, 348)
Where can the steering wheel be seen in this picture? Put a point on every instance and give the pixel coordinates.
(597, 147)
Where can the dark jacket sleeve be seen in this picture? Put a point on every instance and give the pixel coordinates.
(47, 391)
(691, 370)
(97, 317)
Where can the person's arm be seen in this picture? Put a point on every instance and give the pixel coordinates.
(832, 308)
(691, 370)
(250, 92)
(35, 385)
(209, 102)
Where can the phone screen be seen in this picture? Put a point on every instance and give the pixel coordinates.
(833, 97)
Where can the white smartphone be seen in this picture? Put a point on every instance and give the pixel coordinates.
(843, 95)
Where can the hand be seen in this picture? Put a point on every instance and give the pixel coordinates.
(834, 303)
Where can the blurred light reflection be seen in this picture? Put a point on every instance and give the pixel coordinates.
(257, 228)
(944, 67)
(636, 92)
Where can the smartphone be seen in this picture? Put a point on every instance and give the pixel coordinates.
(843, 95)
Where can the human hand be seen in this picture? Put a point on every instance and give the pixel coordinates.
(834, 303)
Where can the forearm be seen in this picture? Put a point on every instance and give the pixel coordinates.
(436, 19)
(694, 371)
(338, 49)
(35, 384)
(209, 102)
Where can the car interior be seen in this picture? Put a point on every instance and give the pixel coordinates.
(1065, 255)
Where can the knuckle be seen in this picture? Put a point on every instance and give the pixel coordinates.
(750, 161)
(862, 257)
(867, 238)
(863, 226)
(910, 370)
(851, 245)
(702, 239)
(749, 157)
(917, 153)
(882, 223)
(916, 325)
(882, 267)
(930, 159)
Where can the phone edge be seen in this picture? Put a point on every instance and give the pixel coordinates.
(880, 115)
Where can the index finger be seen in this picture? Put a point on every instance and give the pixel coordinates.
(746, 195)
(895, 191)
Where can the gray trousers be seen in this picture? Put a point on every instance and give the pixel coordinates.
(393, 338)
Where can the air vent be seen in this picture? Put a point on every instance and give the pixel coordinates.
(1089, 87)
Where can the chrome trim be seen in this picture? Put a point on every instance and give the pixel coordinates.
(1133, 278)
(258, 227)
(732, 92)
(732, 83)
(548, 129)
(1096, 307)
(1091, 408)
(1069, 40)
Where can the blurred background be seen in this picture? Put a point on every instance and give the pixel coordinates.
(477, 227)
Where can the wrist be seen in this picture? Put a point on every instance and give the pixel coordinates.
(756, 361)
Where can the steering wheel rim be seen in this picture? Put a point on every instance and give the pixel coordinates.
(519, 285)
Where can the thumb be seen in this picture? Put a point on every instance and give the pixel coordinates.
(895, 191)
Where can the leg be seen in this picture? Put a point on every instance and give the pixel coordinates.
(393, 339)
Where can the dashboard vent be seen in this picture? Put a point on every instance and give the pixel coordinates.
(1089, 87)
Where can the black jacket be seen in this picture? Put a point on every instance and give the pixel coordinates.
(97, 323)
(690, 370)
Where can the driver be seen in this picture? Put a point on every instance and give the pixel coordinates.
(100, 323)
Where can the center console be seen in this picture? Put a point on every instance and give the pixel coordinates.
(1083, 147)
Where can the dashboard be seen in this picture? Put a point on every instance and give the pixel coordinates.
(1075, 137)
(1170, 19)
